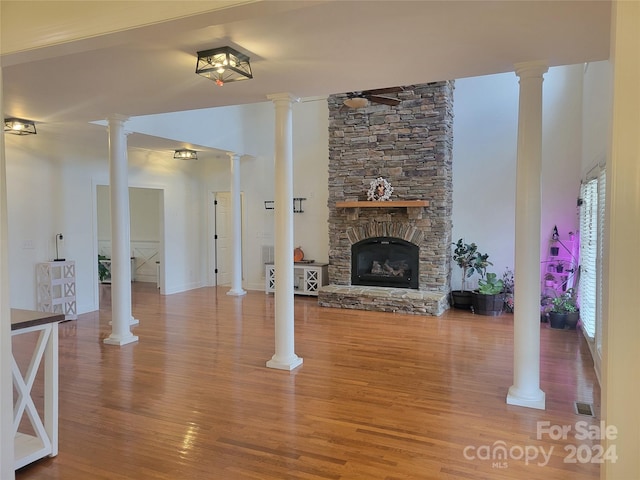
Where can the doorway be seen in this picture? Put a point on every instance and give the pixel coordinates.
(146, 211)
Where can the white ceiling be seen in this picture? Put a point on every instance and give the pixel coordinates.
(82, 61)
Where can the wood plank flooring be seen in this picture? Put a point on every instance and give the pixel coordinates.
(379, 396)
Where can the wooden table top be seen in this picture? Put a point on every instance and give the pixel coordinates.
(30, 318)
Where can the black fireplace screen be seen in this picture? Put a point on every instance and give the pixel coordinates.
(384, 262)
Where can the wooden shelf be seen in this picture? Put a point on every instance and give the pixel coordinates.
(414, 207)
(378, 204)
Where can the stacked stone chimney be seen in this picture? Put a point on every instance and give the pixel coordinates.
(410, 145)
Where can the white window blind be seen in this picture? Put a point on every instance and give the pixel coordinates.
(588, 256)
(601, 203)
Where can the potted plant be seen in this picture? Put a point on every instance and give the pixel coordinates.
(103, 271)
(545, 306)
(468, 258)
(490, 296)
(573, 316)
(564, 310)
(509, 290)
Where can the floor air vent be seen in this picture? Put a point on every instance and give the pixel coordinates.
(584, 409)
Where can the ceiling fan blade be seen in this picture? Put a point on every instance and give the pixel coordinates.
(356, 102)
(384, 100)
(382, 91)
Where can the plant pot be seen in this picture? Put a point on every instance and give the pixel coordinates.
(508, 302)
(554, 251)
(461, 299)
(557, 320)
(491, 305)
(572, 320)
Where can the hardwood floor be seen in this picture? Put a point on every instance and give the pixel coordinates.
(379, 396)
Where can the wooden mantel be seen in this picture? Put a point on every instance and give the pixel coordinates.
(414, 207)
(387, 204)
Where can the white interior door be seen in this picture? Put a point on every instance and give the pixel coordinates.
(222, 237)
(221, 232)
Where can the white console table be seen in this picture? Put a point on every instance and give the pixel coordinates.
(29, 447)
(307, 277)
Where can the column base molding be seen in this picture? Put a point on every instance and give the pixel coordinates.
(237, 292)
(514, 397)
(285, 364)
(119, 341)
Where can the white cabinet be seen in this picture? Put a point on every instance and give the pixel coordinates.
(307, 277)
(56, 291)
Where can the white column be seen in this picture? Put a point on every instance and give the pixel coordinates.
(120, 235)
(236, 236)
(525, 390)
(621, 326)
(6, 390)
(285, 357)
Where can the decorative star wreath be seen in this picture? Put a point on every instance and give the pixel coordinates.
(380, 190)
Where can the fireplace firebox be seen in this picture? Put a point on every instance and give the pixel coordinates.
(385, 262)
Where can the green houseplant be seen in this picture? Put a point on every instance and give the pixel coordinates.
(564, 310)
(490, 296)
(471, 261)
(492, 285)
(103, 271)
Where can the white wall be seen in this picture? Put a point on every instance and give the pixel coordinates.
(145, 214)
(596, 108)
(311, 178)
(484, 161)
(561, 152)
(31, 191)
(220, 128)
(484, 167)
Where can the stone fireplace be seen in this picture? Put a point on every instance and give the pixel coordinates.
(409, 145)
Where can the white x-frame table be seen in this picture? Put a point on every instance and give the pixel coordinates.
(29, 447)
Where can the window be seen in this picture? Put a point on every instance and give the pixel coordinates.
(588, 253)
(592, 193)
(601, 203)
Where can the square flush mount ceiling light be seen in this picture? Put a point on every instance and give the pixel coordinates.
(185, 154)
(19, 126)
(223, 65)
